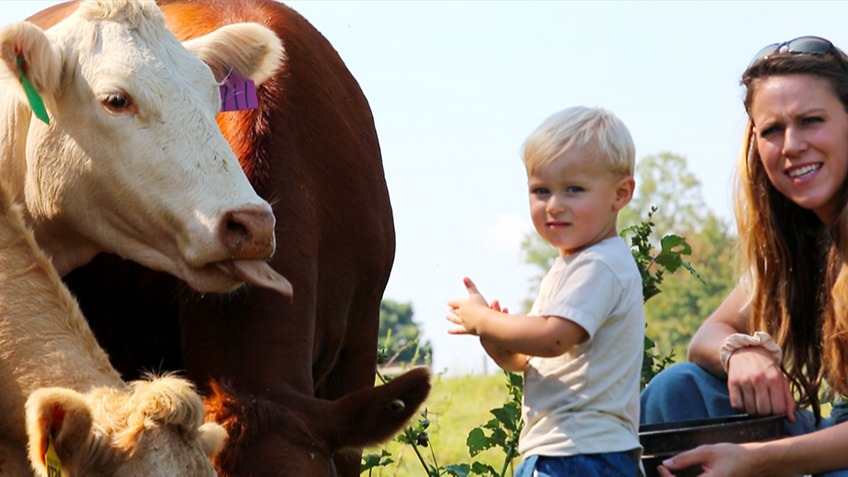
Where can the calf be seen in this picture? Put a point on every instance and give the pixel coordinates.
(77, 407)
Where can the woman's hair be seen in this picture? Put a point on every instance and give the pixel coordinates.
(798, 286)
(603, 133)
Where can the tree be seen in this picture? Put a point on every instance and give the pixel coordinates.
(686, 302)
(665, 181)
(399, 338)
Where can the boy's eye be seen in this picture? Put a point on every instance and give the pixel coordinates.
(574, 189)
(539, 191)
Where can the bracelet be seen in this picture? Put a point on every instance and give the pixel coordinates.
(741, 340)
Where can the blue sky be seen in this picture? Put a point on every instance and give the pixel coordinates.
(455, 87)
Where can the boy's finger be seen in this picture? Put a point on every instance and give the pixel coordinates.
(457, 331)
(470, 286)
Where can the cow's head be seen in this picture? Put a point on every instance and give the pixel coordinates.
(299, 435)
(153, 428)
(132, 160)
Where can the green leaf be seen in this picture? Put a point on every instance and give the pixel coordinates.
(458, 470)
(479, 468)
(508, 416)
(477, 441)
(371, 461)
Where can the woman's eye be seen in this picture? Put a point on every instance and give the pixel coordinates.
(812, 120)
(769, 131)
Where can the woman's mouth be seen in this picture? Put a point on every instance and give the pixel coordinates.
(803, 171)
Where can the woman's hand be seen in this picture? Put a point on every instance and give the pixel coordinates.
(718, 460)
(757, 385)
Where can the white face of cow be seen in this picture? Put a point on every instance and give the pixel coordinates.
(132, 161)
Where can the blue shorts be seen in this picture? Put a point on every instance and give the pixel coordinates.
(613, 464)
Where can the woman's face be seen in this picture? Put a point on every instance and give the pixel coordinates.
(801, 133)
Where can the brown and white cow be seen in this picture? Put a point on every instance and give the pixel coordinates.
(131, 161)
(58, 390)
(296, 376)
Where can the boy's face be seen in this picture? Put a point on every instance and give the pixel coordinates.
(574, 202)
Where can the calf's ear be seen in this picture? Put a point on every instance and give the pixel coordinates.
(29, 64)
(212, 437)
(59, 424)
(253, 50)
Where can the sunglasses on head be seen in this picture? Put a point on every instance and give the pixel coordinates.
(811, 45)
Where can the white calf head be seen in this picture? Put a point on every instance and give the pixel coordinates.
(132, 161)
(153, 429)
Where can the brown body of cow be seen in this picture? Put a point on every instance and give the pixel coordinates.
(296, 375)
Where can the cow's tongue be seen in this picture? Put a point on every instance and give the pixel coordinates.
(259, 273)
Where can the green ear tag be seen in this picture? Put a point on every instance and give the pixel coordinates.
(35, 101)
(51, 458)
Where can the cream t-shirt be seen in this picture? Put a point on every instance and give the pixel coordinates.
(586, 401)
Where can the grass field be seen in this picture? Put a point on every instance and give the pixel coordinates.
(455, 406)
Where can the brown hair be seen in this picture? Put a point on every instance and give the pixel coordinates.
(798, 286)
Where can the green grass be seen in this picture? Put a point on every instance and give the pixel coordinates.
(455, 406)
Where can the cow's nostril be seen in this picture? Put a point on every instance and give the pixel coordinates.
(236, 229)
(248, 233)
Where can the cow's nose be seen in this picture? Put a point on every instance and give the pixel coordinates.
(248, 233)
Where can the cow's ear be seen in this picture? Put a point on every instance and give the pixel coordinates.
(253, 50)
(29, 64)
(212, 437)
(59, 424)
(385, 408)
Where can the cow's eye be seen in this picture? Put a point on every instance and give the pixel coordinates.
(118, 103)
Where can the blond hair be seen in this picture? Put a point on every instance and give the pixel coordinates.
(798, 284)
(597, 129)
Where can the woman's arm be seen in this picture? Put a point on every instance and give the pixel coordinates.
(813, 453)
(756, 383)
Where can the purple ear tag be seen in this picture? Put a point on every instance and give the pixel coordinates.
(238, 93)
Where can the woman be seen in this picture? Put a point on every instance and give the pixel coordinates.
(784, 329)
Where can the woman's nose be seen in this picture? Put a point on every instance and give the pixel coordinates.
(794, 142)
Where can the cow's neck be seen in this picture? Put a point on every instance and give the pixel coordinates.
(65, 247)
(14, 124)
(44, 338)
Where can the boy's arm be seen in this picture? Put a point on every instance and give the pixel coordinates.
(506, 359)
(544, 336)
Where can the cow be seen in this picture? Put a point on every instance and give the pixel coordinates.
(108, 136)
(61, 398)
(292, 380)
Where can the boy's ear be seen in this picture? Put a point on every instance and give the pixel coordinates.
(623, 192)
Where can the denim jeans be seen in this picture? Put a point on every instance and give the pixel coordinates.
(613, 464)
(686, 391)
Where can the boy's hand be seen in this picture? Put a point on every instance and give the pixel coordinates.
(465, 312)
